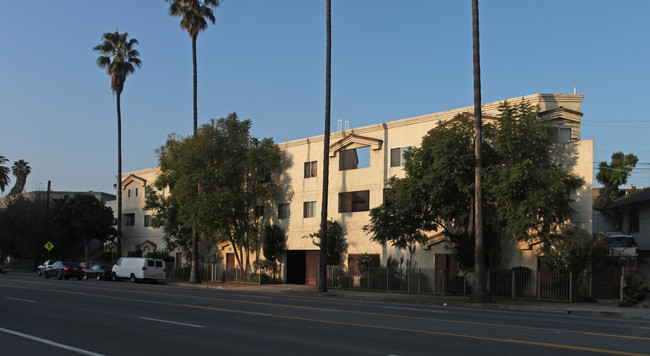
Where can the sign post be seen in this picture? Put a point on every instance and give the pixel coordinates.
(48, 246)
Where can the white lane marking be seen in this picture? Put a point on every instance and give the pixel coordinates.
(250, 296)
(52, 343)
(22, 300)
(644, 327)
(419, 310)
(171, 322)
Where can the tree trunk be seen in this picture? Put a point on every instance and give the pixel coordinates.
(87, 252)
(119, 176)
(479, 292)
(194, 272)
(194, 85)
(322, 272)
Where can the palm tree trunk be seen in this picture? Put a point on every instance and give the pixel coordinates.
(322, 271)
(194, 273)
(480, 293)
(194, 84)
(119, 176)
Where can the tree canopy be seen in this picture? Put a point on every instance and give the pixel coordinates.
(526, 191)
(236, 173)
(613, 175)
(82, 218)
(336, 244)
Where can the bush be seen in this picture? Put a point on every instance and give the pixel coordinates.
(635, 289)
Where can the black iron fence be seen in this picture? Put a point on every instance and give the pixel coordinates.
(515, 283)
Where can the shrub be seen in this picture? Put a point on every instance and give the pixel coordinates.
(635, 289)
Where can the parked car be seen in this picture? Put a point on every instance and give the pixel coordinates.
(65, 270)
(621, 244)
(46, 265)
(139, 269)
(98, 272)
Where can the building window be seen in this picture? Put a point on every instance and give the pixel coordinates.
(128, 193)
(354, 158)
(147, 220)
(634, 221)
(564, 134)
(309, 209)
(129, 219)
(136, 192)
(354, 201)
(283, 211)
(259, 211)
(311, 169)
(397, 156)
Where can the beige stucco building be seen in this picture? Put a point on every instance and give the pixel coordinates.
(361, 161)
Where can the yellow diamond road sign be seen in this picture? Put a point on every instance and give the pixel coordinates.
(49, 246)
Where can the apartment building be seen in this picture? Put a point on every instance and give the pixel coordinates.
(361, 162)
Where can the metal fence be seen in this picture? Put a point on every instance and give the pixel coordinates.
(515, 283)
(215, 272)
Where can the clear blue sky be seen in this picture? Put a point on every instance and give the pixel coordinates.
(265, 60)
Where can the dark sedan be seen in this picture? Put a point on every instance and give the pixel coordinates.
(99, 272)
(67, 270)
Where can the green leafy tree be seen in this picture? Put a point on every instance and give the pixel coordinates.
(168, 217)
(21, 170)
(236, 173)
(4, 173)
(613, 175)
(572, 250)
(273, 245)
(527, 194)
(336, 244)
(84, 218)
(23, 226)
(119, 58)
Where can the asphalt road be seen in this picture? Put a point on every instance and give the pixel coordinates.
(59, 317)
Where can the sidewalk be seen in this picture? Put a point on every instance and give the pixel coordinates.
(604, 308)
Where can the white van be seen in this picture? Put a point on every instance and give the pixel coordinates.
(139, 269)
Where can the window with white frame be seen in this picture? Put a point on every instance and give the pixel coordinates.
(309, 209)
(564, 134)
(397, 156)
(283, 211)
(311, 169)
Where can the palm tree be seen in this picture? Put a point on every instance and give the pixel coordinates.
(193, 14)
(21, 170)
(119, 58)
(4, 173)
(322, 271)
(480, 293)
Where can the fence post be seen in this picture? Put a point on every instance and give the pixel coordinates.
(622, 284)
(538, 285)
(444, 282)
(570, 287)
(513, 284)
(408, 285)
(419, 277)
